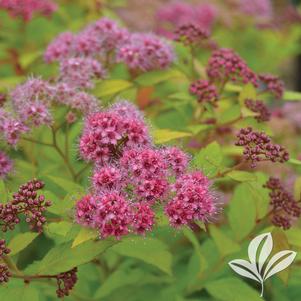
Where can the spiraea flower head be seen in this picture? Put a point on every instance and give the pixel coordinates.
(176, 160)
(285, 208)
(6, 165)
(259, 147)
(65, 282)
(204, 91)
(146, 52)
(143, 217)
(79, 72)
(85, 210)
(272, 84)
(257, 106)
(226, 65)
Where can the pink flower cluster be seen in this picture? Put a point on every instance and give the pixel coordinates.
(178, 13)
(204, 91)
(191, 34)
(99, 39)
(27, 8)
(132, 177)
(257, 8)
(272, 84)
(146, 52)
(226, 65)
(259, 107)
(6, 165)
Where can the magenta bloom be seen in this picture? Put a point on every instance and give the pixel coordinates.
(259, 107)
(193, 201)
(85, 209)
(143, 218)
(145, 52)
(226, 65)
(272, 84)
(176, 14)
(27, 8)
(191, 34)
(6, 165)
(176, 160)
(31, 101)
(257, 8)
(79, 72)
(204, 91)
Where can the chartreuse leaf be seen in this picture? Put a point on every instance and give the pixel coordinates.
(84, 235)
(165, 135)
(25, 293)
(111, 87)
(60, 228)
(229, 115)
(21, 241)
(242, 200)
(63, 258)
(3, 193)
(247, 92)
(241, 176)
(66, 185)
(149, 250)
(155, 77)
(294, 236)
(224, 244)
(292, 96)
(117, 280)
(294, 161)
(232, 289)
(209, 159)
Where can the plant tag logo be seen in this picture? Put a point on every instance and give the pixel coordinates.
(259, 268)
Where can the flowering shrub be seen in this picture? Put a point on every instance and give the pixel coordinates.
(142, 163)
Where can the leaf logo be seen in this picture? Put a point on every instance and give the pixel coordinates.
(259, 268)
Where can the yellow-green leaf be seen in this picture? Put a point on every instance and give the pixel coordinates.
(165, 135)
(84, 235)
(111, 87)
(21, 241)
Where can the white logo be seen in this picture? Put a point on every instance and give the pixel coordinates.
(259, 268)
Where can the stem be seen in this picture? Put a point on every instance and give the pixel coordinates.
(78, 174)
(222, 174)
(262, 289)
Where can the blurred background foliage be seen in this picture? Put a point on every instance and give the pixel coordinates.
(168, 265)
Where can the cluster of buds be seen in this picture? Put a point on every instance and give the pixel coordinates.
(259, 147)
(25, 202)
(226, 65)
(285, 208)
(4, 271)
(65, 282)
(191, 34)
(257, 106)
(25, 9)
(204, 91)
(272, 84)
(132, 177)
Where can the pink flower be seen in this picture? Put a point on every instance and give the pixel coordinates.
(6, 165)
(60, 48)
(176, 159)
(113, 215)
(145, 52)
(85, 210)
(272, 84)
(193, 201)
(79, 72)
(27, 8)
(143, 217)
(257, 8)
(259, 107)
(204, 91)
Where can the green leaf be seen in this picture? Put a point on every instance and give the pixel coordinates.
(60, 228)
(225, 245)
(247, 92)
(165, 135)
(21, 241)
(117, 280)
(111, 87)
(292, 96)
(242, 200)
(231, 114)
(28, 58)
(84, 235)
(232, 289)
(294, 161)
(63, 258)
(155, 77)
(241, 176)
(3, 192)
(293, 236)
(149, 250)
(25, 293)
(196, 129)
(66, 185)
(209, 159)
(233, 88)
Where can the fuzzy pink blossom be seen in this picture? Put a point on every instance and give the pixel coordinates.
(224, 65)
(10, 128)
(60, 48)
(176, 159)
(77, 100)
(190, 34)
(127, 109)
(85, 209)
(178, 13)
(6, 165)
(113, 215)
(143, 218)
(193, 201)
(31, 101)
(107, 177)
(257, 8)
(79, 72)
(27, 8)
(145, 52)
